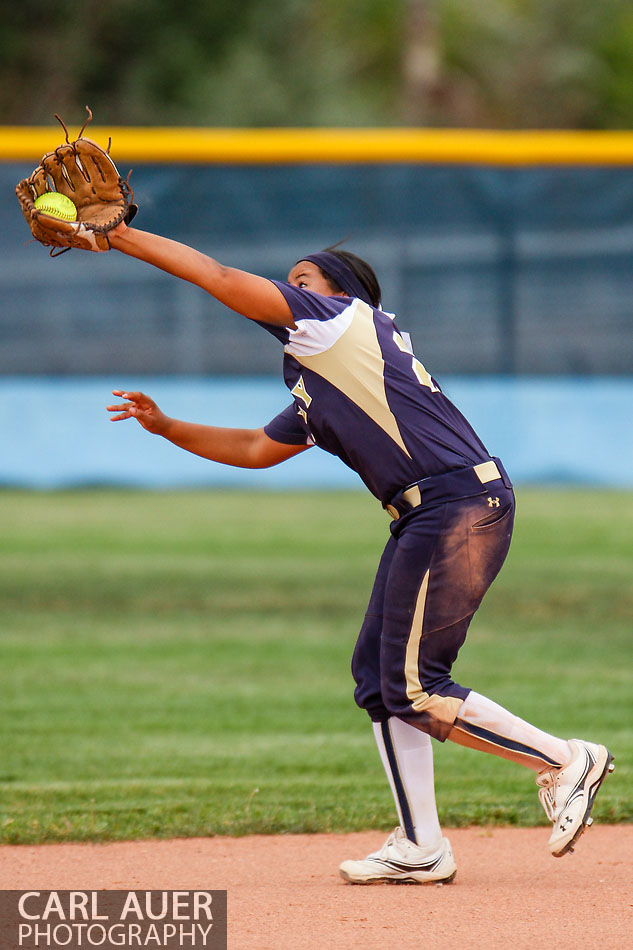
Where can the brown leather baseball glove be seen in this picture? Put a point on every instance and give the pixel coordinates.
(86, 174)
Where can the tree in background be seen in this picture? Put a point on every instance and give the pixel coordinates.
(538, 63)
(502, 63)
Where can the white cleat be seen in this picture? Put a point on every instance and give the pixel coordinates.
(567, 794)
(401, 861)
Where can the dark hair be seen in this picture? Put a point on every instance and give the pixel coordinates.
(361, 269)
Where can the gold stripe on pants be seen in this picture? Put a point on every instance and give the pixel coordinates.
(443, 708)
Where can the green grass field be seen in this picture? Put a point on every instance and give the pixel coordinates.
(178, 664)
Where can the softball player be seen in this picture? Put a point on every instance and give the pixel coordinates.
(360, 393)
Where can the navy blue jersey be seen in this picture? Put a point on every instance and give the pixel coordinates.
(361, 394)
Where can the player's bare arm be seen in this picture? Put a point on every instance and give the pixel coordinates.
(254, 297)
(242, 448)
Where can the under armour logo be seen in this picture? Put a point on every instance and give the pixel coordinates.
(493, 502)
(567, 821)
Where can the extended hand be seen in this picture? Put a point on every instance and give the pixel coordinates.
(141, 408)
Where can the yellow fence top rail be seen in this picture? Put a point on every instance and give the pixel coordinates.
(295, 146)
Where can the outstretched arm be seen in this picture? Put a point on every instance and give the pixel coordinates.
(255, 297)
(243, 448)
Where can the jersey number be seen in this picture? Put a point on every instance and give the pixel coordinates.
(424, 378)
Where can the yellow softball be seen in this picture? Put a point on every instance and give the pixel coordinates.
(57, 205)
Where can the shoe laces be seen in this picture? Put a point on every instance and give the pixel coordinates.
(548, 782)
(395, 838)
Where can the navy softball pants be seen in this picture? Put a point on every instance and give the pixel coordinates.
(437, 565)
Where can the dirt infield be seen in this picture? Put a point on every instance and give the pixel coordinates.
(284, 892)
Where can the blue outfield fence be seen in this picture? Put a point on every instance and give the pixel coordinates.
(490, 269)
(56, 433)
(514, 280)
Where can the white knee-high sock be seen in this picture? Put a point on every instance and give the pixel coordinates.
(484, 725)
(407, 755)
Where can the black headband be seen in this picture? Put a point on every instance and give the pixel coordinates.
(341, 273)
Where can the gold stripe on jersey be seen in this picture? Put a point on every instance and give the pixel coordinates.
(358, 347)
(441, 708)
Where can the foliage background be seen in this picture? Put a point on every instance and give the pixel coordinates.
(503, 63)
